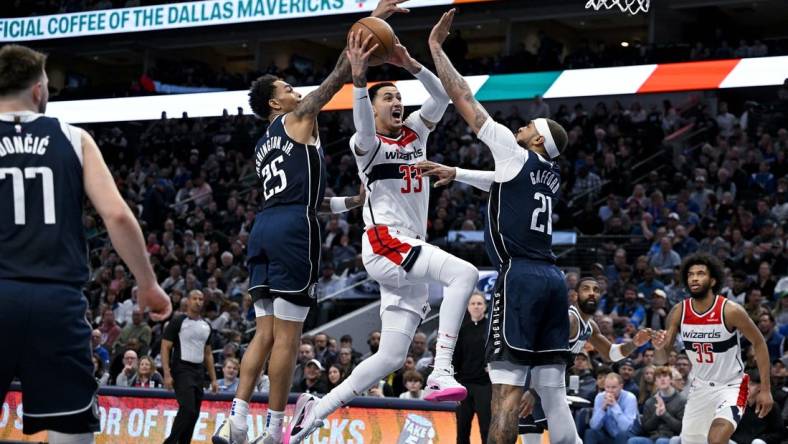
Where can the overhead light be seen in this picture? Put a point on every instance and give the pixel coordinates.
(625, 44)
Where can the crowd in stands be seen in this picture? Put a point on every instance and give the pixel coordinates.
(723, 191)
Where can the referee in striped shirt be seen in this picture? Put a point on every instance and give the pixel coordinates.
(184, 350)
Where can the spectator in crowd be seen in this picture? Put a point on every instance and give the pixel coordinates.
(98, 349)
(656, 313)
(373, 342)
(666, 259)
(615, 413)
(413, 383)
(630, 310)
(346, 341)
(755, 430)
(650, 283)
(418, 347)
(313, 381)
(136, 329)
(99, 370)
(146, 375)
(334, 376)
(229, 381)
(587, 382)
(774, 340)
(306, 352)
(397, 379)
(109, 328)
(626, 369)
(322, 353)
(683, 367)
(130, 364)
(646, 385)
(662, 412)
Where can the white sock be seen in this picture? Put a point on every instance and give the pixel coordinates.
(238, 414)
(532, 438)
(444, 349)
(274, 424)
(70, 438)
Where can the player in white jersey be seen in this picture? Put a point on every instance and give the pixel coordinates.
(710, 326)
(387, 149)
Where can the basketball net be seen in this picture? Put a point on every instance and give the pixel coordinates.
(630, 6)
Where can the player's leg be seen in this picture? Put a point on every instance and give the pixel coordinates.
(698, 416)
(508, 381)
(13, 311)
(288, 326)
(57, 360)
(397, 329)
(549, 383)
(69, 438)
(730, 401)
(459, 279)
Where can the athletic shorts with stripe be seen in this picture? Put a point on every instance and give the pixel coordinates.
(46, 345)
(388, 255)
(284, 254)
(708, 401)
(529, 325)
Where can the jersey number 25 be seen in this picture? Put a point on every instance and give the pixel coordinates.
(270, 170)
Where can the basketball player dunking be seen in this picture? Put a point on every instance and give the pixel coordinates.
(284, 245)
(529, 323)
(46, 169)
(387, 147)
(710, 326)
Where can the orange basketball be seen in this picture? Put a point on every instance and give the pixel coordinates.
(382, 35)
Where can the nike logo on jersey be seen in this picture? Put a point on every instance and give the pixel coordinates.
(391, 155)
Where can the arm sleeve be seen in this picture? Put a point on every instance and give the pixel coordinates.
(171, 331)
(434, 107)
(509, 156)
(597, 419)
(482, 180)
(364, 120)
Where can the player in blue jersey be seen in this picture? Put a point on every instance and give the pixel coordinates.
(46, 169)
(284, 245)
(529, 324)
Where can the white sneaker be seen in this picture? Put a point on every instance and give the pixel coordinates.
(441, 386)
(228, 434)
(303, 422)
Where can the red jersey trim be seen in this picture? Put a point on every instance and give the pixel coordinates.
(710, 317)
(407, 136)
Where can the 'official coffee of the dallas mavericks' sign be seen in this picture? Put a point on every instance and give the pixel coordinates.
(180, 15)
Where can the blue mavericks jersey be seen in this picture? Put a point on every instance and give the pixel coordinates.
(291, 172)
(41, 189)
(584, 332)
(519, 213)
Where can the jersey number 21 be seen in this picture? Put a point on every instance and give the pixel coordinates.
(546, 207)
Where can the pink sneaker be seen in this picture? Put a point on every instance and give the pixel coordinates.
(441, 386)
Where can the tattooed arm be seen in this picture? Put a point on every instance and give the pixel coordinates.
(454, 84)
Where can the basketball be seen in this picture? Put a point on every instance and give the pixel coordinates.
(382, 35)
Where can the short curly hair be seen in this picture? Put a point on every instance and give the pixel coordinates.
(261, 91)
(712, 264)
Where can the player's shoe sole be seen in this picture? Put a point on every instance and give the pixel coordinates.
(448, 394)
(296, 431)
(223, 435)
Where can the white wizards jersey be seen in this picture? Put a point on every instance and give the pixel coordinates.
(584, 332)
(397, 194)
(713, 350)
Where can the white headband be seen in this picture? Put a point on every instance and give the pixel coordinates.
(544, 130)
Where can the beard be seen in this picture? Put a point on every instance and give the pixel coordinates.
(701, 293)
(588, 306)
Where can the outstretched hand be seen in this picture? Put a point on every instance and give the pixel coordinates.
(445, 174)
(643, 336)
(441, 29)
(358, 55)
(387, 8)
(659, 338)
(401, 57)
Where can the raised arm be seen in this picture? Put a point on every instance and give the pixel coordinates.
(736, 317)
(435, 106)
(663, 340)
(453, 82)
(365, 139)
